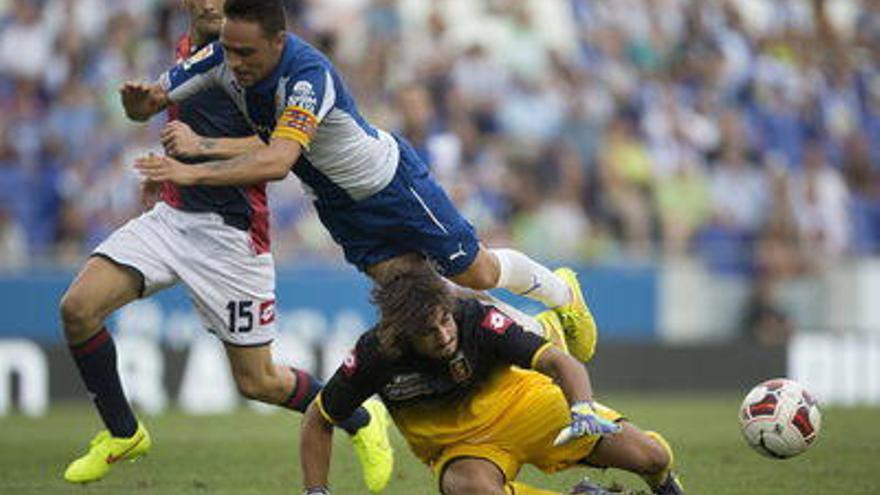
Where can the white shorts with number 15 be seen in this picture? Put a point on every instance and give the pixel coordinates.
(231, 287)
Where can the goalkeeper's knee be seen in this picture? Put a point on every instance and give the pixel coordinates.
(657, 478)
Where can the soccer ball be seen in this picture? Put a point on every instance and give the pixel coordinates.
(780, 419)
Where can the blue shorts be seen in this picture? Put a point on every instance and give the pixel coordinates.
(412, 214)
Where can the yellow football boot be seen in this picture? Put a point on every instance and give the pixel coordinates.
(577, 321)
(553, 331)
(106, 450)
(373, 448)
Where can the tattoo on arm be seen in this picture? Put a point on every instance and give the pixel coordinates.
(207, 144)
(229, 164)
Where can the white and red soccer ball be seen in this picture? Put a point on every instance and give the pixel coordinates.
(780, 419)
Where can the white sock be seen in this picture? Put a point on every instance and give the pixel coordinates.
(522, 275)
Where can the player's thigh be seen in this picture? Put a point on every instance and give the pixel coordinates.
(432, 225)
(148, 246)
(101, 287)
(403, 263)
(471, 476)
(482, 273)
(538, 411)
(412, 214)
(629, 449)
(131, 262)
(257, 376)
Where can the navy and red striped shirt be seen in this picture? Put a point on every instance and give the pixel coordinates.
(212, 113)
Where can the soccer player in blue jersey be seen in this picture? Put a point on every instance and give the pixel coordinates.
(371, 190)
(214, 240)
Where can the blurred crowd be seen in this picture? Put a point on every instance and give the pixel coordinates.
(745, 133)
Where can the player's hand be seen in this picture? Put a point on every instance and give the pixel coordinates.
(161, 168)
(179, 140)
(149, 193)
(585, 421)
(141, 100)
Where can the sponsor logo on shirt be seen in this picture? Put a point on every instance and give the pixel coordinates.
(407, 386)
(349, 364)
(267, 312)
(303, 96)
(496, 321)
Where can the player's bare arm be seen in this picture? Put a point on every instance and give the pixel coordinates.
(142, 100)
(568, 373)
(268, 163)
(573, 379)
(180, 141)
(316, 439)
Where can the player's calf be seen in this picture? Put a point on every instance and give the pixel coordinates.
(270, 389)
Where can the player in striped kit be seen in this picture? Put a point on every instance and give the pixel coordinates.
(215, 241)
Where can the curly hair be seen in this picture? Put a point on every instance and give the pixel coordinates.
(407, 302)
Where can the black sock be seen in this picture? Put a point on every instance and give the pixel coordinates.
(305, 391)
(96, 360)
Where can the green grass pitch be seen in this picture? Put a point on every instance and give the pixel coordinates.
(251, 453)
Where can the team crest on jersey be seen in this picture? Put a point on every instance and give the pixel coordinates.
(267, 312)
(460, 368)
(303, 96)
(496, 321)
(349, 364)
(198, 56)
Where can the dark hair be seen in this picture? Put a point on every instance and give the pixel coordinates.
(407, 302)
(269, 14)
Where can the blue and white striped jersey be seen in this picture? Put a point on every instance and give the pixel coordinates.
(304, 99)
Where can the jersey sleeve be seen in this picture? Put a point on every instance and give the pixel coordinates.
(506, 339)
(351, 384)
(309, 96)
(195, 74)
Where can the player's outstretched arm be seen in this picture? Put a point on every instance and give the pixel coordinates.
(142, 100)
(316, 442)
(568, 373)
(180, 141)
(268, 163)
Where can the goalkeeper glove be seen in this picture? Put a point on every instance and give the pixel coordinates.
(585, 421)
